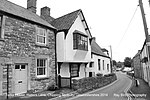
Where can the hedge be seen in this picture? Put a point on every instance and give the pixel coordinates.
(90, 83)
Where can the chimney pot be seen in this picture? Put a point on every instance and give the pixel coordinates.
(31, 5)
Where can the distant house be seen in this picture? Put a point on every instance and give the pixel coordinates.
(73, 47)
(137, 65)
(27, 49)
(100, 62)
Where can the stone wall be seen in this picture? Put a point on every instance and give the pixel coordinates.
(20, 42)
(90, 83)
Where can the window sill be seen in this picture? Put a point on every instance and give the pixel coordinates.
(41, 78)
(41, 45)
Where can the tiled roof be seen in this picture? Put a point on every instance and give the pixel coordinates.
(96, 49)
(11, 8)
(65, 22)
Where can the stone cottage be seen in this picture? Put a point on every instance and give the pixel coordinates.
(27, 49)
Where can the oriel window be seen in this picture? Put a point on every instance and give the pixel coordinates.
(80, 41)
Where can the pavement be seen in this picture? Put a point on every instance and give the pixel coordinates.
(43, 95)
(140, 92)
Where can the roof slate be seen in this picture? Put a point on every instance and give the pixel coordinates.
(95, 48)
(65, 22)
(11, 8)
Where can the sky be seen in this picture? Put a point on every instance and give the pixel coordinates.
(108, 21)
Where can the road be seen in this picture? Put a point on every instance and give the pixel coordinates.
(114, 91)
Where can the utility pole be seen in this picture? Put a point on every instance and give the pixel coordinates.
(144, 21)
(111, 58)
(145, 26)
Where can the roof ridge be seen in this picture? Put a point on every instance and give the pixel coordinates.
(17, 10)
(95, 48)
(68, 14)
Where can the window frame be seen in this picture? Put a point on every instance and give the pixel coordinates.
(44, 75)
(41, 35)
(80, 41)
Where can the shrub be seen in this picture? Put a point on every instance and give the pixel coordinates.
(52, 87)
(111, 74)
(99, 74)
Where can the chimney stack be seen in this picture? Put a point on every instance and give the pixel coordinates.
(45, 11)
(31, 5)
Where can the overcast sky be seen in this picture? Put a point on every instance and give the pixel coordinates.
(108, 21)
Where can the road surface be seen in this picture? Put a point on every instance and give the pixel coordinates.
(114, 91)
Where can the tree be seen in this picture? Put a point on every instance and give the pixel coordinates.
(127, 61)
(114, 62)
(119, 64)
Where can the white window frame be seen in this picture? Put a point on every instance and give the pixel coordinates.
(43, 35)
(46, 64)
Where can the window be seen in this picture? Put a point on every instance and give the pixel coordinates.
(91, 64)
(80, 42)
(74, 68)
(41, 36)
(41, 67)
(103, 65)
(99, 64)
(108, 67)
(90, 74)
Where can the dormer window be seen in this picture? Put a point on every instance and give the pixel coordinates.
(80, 41)
(41, 36)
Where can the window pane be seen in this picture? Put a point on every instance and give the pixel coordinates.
(38, 62)
(44, 62)
(41, 62)
(41, 39)
(17, 67)
(23, 66)
(40, 71)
